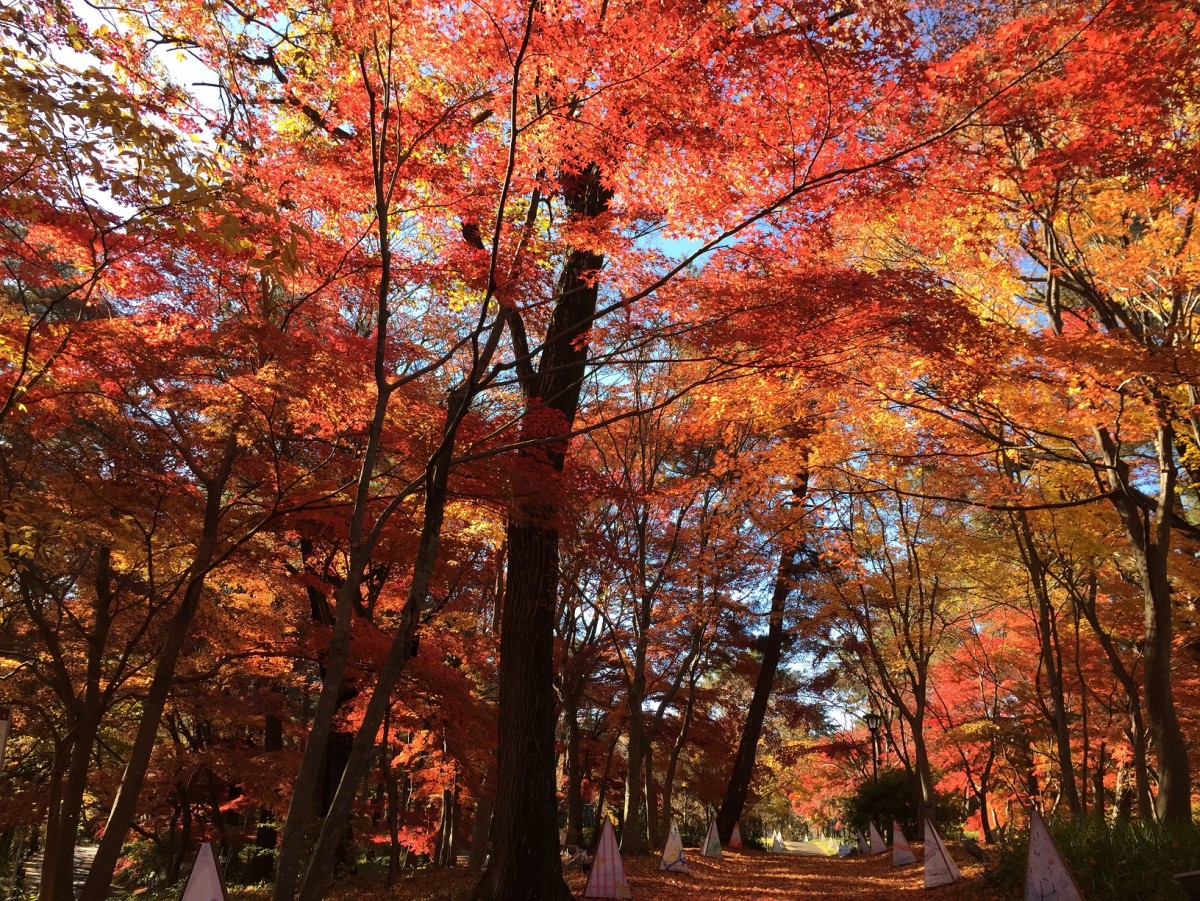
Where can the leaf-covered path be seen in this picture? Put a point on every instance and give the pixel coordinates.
(743, 876)
(753, 875)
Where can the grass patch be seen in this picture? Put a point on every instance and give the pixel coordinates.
(1109, 861)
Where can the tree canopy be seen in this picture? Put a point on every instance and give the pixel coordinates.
(423, 420)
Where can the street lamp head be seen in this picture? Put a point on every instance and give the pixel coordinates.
(873, 721)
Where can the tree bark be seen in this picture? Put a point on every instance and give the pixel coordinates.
(634, 839)
(677, 749)
(925, 794)
(479, 833)
(743, 763)
(574, 773)
(100, 876)
(50, 853)
(526, 864)
(1085, 603)
(653, 830)
(1051, 662)
(1149, 535)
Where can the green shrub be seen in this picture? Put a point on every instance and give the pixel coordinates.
(1109, 861)
(883, 800)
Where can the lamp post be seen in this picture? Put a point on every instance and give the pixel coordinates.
(873, 721)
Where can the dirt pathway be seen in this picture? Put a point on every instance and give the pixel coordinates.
(737, 876)
(760, 876)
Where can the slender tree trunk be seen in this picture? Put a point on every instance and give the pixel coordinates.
(392, 785)
(633, 833)
(99, 878)
(1084, 778)
(653, 830)
(402, 649)
(262, 864)
(602, 789)
(1085, 603)
(362, 542)
(985, 816)
(403, 646)
(50, 853)
(175, 865)
(70, 809)
(574, 772)
(677, 749)
(479, 833)
(743, 763)
(925, 795)
(1051, 662)
(86, 713)
(1174, 781)
(1149, 535)
(1141, 766)
(443, 839)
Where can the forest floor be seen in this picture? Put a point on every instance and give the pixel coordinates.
(748, 875)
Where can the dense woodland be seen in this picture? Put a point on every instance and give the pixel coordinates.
(429, 425)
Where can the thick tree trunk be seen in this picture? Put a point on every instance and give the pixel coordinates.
(444, 840)
(526, 863)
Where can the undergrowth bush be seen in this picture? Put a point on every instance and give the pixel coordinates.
(881, 801)
(1126, 861)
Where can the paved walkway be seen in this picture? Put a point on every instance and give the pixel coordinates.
(84, 855)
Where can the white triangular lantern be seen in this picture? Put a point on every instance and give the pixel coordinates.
(1046, 875)
(607, 879)
(902, 853)
(205, 882)
(878, 845)
(940, 868)
(862, 843)
(672, 857)
(735, 837)
(777, 844)
(712, 841)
